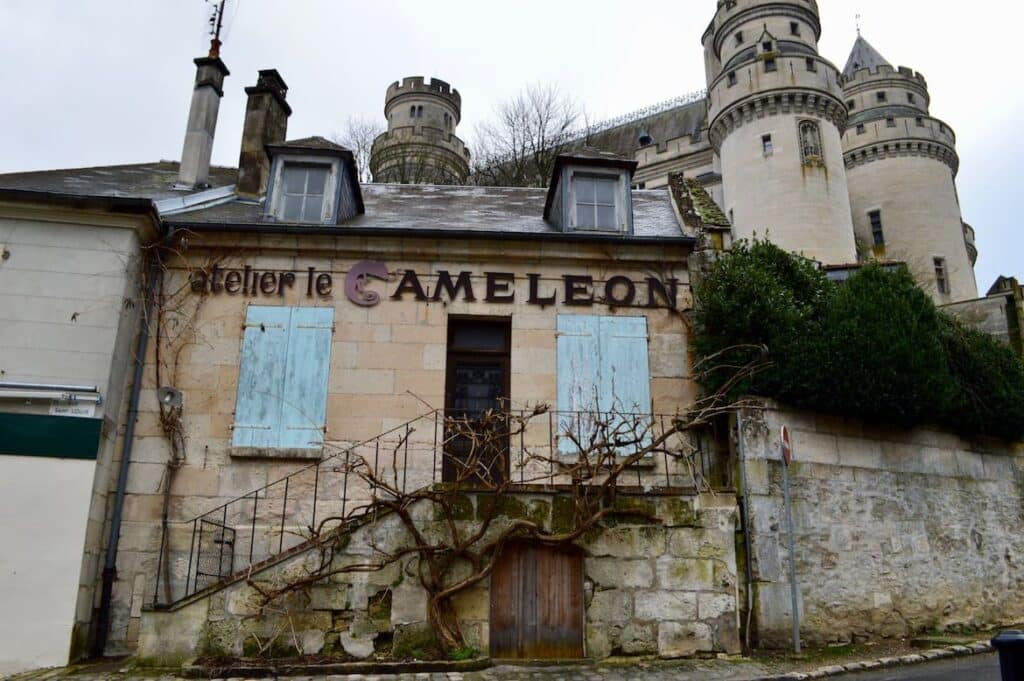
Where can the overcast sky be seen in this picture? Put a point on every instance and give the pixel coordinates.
(102, 82)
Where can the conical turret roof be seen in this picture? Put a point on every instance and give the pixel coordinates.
(863, 56)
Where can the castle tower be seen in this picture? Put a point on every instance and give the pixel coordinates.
(420, 146)
(901, 166)
(776, 115)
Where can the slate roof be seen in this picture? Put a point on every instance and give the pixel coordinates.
(153, 181)
(454, 209)
(863, 56)
(681, 121)
(315, 142)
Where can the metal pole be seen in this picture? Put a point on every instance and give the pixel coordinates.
(433, 463)
(252, 535)
(316, 488)
(792, 557)
(284, 505)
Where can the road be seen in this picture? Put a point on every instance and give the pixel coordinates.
(975, 668)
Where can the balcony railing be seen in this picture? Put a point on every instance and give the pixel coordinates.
(547, 451)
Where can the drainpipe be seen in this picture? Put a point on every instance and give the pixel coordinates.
(110, 566)
(745, 508)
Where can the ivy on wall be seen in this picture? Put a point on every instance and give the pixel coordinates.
(873, 347)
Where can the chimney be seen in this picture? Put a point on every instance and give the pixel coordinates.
(202, 122)
(266, 122)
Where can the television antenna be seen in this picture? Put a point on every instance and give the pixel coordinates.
(216, 23)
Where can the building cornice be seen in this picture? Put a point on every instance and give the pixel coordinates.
(901, 149)
(774, 103)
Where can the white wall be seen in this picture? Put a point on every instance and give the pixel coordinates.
(42, 532)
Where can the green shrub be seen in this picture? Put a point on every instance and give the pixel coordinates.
(874, 347)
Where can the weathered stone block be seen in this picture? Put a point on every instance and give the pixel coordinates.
(332, 597)
(610, 606)
(683, 639)
(622, 573)
(309, 641)
(599, 644)
(408, 603)
(712, 606)
(639, 638)
(666, 605)
(358, 647)
(693, 543)
(685, 573)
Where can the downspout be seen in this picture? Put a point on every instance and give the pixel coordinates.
(110, 566)
(745, 515)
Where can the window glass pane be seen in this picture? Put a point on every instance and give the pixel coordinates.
(605, 191)
(585, 216)
(314, 209)
(317, 180)
(292, 208)
(606, 216)
(584, 190)
(294, 180)
(469, 336)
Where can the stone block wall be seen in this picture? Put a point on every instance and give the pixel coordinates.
(896, 532)
(387, 367)
(663, 584)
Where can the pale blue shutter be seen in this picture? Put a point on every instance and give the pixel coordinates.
(625, 381)
(579, 380)
(304, 404)
(261, 377)
(625, 370)
(603, 367)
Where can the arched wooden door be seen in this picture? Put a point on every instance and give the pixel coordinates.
(537, 604)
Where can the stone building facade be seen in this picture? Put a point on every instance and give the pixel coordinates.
(297, 321)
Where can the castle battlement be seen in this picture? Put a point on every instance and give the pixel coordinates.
(416, 85)
(884, 72)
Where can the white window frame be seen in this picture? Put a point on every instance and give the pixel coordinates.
(332, 187)
(941, 268)
(619, 196)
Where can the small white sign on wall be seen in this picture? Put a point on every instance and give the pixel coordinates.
(82, 411)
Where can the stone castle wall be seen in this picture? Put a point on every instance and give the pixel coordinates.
(664, 586)
(895, 532)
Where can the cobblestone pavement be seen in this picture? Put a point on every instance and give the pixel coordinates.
(714, 670)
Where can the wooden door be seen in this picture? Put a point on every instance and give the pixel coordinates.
(537, 604)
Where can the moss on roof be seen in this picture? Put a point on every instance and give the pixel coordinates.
(696, 206)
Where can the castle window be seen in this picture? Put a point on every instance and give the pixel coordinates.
(920, 121)
(769, 65)
(767, 46)
(890, 122)
(303, 192)
(811, 64)
(881, 97)
(877, 234)
(732, 78)
(850, 104)
(810, 142)
(861, 129)
(911, 98)
(794, 28)
(596, 206)
(767, 146)
(739, 38)
(412, 111)
(941, 276)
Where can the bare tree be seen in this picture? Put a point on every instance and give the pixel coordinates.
(358, 136)
(518, 147)
(448, 556)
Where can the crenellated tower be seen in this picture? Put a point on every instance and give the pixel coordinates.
(420, 145)
(901, 166)
(776, 116)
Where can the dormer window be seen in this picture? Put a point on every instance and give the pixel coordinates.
(313, 181)
(595, 202)
(304, 186)
(591, 192)
(767, 46)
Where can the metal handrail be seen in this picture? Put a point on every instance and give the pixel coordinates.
(212, 556)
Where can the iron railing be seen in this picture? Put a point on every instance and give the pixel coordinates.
(540, 451)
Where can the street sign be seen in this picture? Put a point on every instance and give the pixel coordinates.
(787, 446)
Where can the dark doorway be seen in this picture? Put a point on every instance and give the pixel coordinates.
(537, 604)
(476, 397)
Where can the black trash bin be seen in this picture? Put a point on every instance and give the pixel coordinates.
(1010, 645)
